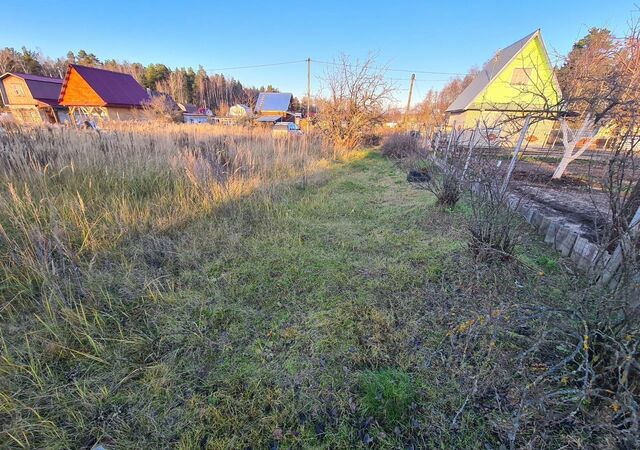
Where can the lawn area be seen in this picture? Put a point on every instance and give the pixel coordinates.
(317, 315)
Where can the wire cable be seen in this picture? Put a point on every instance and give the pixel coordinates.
(333, 63)
(258, 65)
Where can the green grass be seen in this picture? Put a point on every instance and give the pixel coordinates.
(548, 263)
(387, 394)
(285, 318)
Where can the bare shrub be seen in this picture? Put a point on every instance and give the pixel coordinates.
(571, 371)
(162, 108)
(401, 145)
(493, 230)
(372, 139)
(619, 227)
(441, 174)
(444, 183)
(494, 227)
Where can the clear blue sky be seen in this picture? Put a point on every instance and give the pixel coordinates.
(437, 36)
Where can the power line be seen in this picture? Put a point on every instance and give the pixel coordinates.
(387, 68)
(417, 79)
(299, 61)
(259, 65)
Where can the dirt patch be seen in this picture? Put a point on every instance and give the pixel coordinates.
(568, 200)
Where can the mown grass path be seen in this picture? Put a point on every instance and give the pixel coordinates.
(306, 318)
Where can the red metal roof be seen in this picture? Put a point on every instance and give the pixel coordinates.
(115, 88)
(43, 89)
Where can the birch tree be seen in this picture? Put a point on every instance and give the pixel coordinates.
(582, 140)
(599, 81)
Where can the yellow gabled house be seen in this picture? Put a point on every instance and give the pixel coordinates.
(518, 81)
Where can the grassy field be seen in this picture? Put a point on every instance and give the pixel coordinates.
(315, 313)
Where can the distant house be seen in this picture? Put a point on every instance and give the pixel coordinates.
(32, 99)
(272, 107)
(517, 81)
(240, 111)
(98, 94)
(193, 114)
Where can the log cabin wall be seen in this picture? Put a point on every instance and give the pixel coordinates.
(78, 92)
(17, 91)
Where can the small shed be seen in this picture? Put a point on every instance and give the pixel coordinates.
(98, 94)
(32, 99)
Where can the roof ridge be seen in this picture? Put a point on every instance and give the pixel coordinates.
(98, 68)
(33, 77)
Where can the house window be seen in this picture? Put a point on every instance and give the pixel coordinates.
(521, 76)
(17, 90)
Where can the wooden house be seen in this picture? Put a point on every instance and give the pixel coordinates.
(98, 94)
(32, 99)
(272, 107)
(519, 80)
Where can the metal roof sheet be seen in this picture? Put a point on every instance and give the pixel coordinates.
(273, 101)
(489, 72)
(48, 102)
(268, 118)
(49, 91)
(115, 88)
(188, 108)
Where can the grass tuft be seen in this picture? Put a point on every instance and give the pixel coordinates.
(387, 394)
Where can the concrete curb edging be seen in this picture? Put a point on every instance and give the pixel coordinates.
(587, 255)
(584, 253)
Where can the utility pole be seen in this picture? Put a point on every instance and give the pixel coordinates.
(406, 113)
(308, 93)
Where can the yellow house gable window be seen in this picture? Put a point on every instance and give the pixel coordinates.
(521, 76)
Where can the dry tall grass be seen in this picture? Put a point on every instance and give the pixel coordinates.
(66, 194)
(77, 209)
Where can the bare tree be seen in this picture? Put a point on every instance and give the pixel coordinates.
(357, 93)
(432, 110)
(161, 107)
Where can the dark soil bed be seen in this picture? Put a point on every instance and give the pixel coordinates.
(569, 199)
